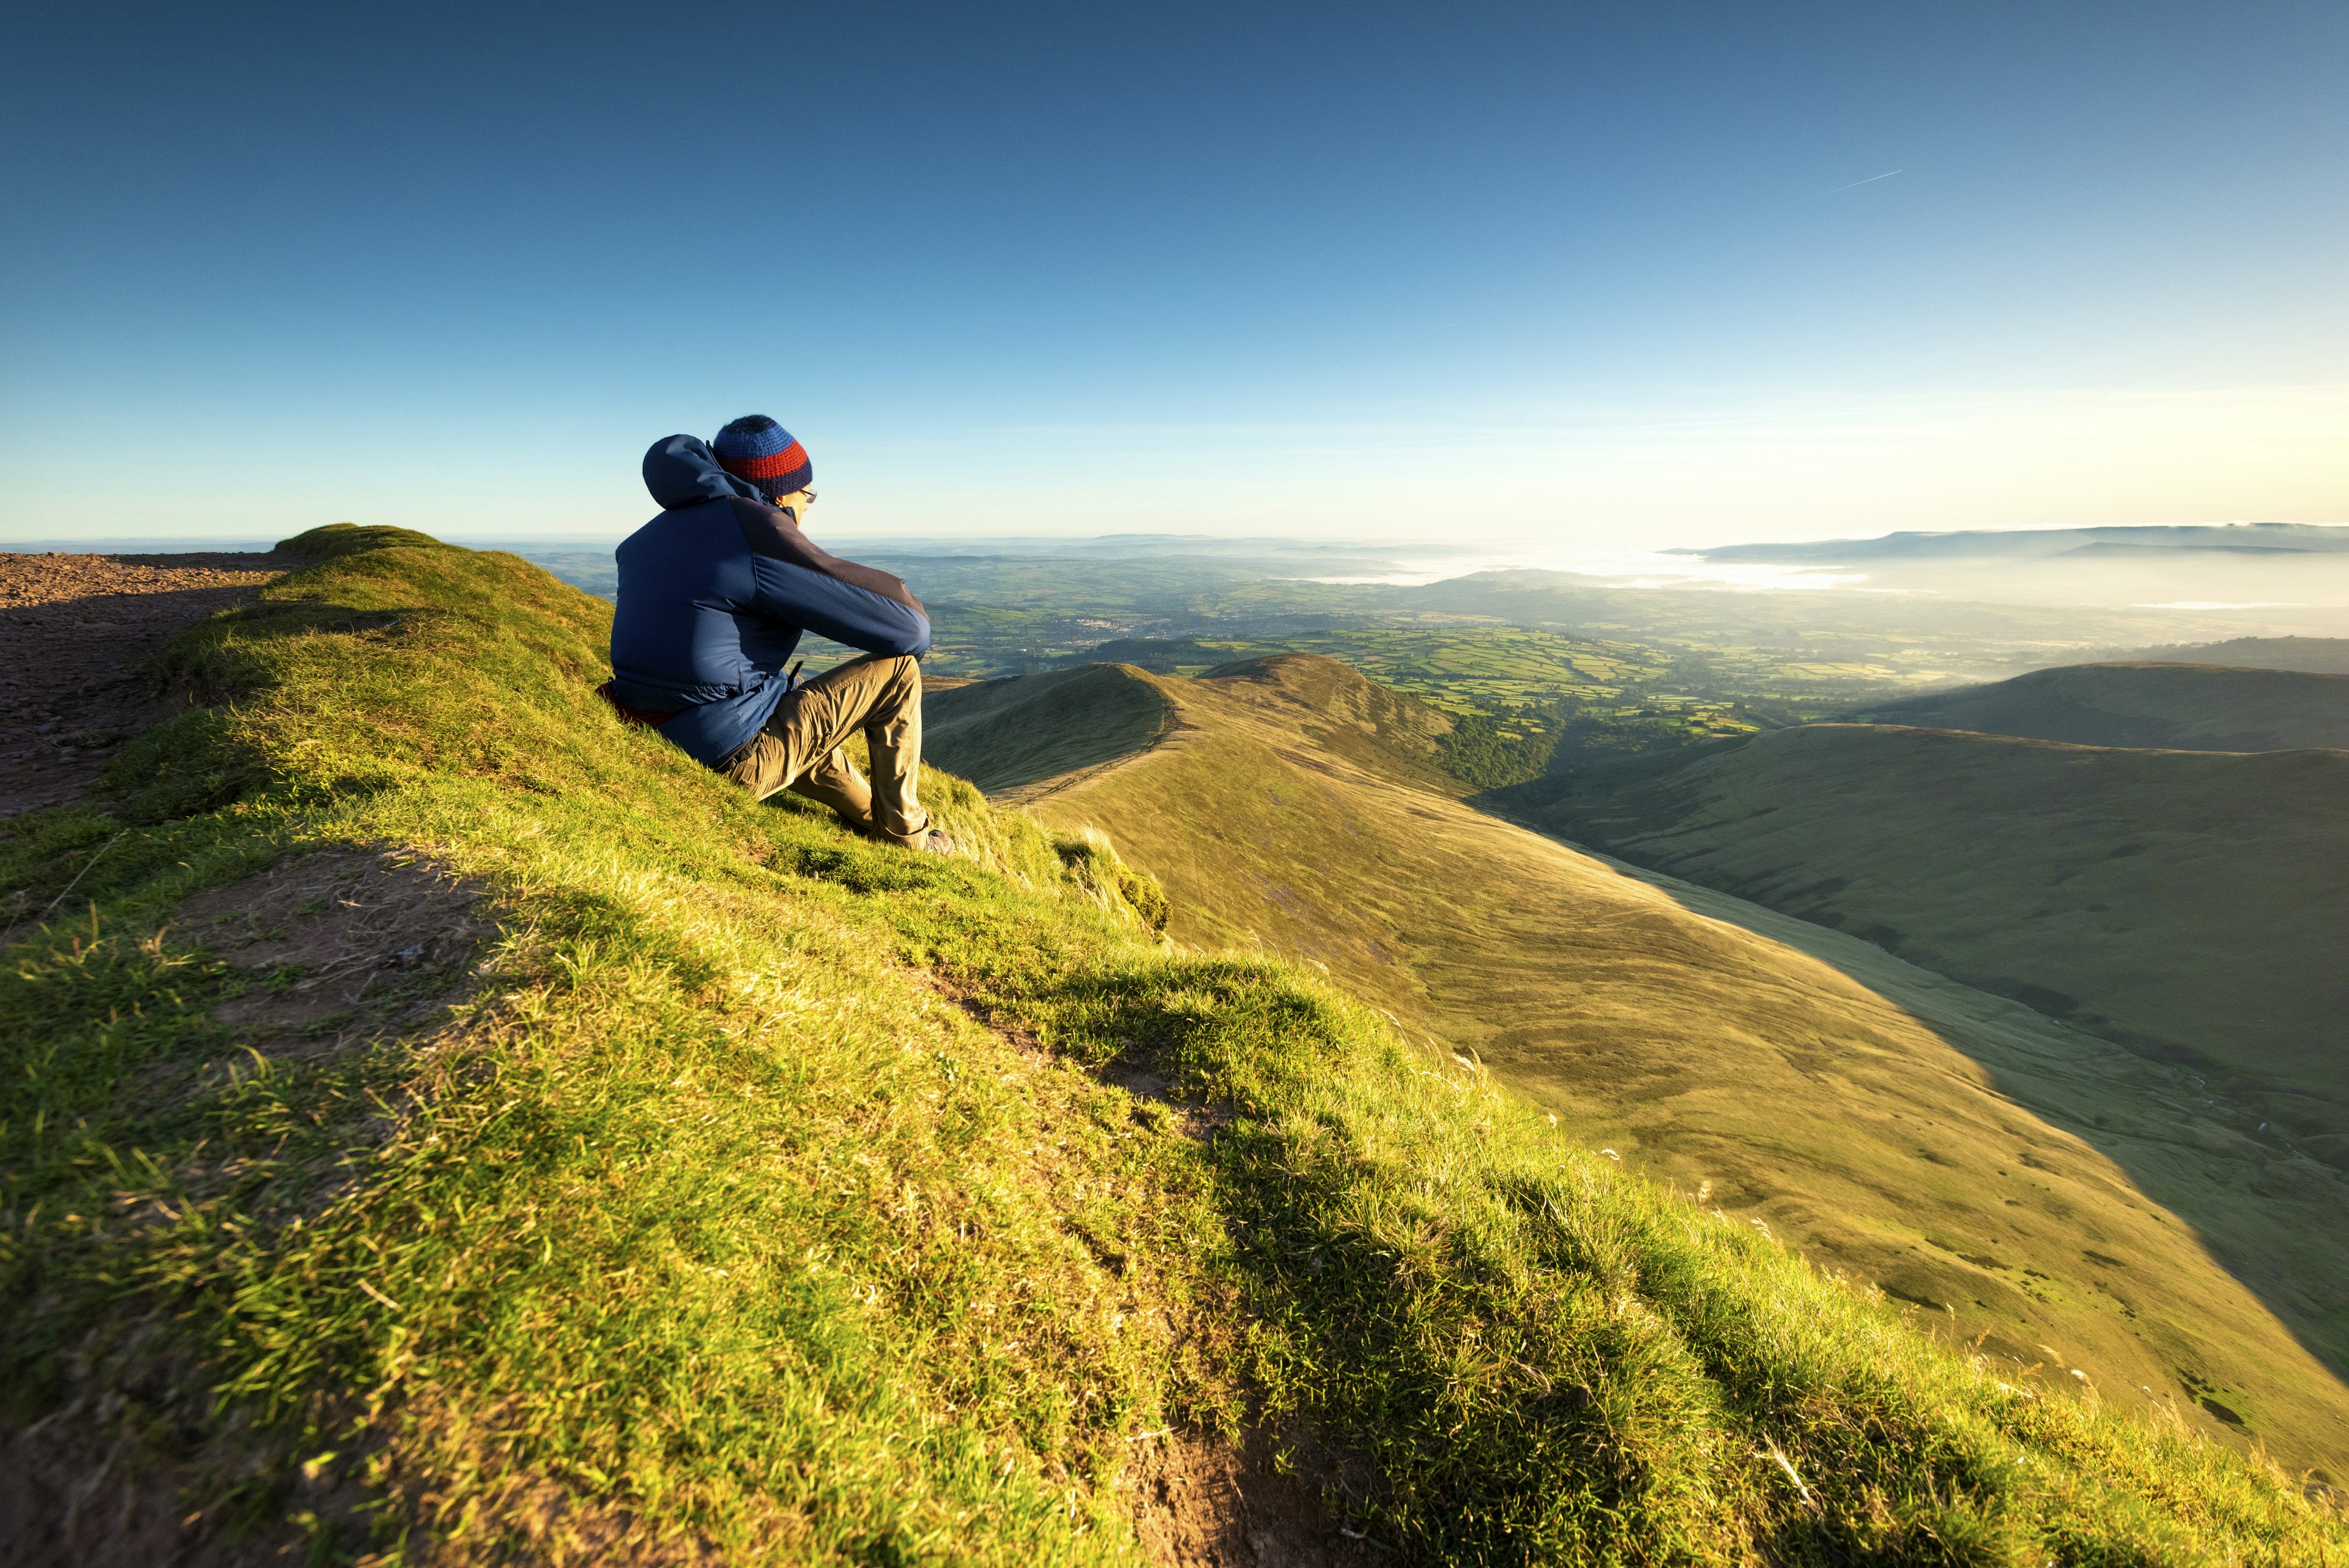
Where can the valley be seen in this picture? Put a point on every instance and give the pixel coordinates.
(2041, 1191)
(2178, 902)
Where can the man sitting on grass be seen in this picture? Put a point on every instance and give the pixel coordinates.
(714, 595)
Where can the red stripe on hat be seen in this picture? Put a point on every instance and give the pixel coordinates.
(793, 456)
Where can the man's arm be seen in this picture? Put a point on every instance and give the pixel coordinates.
(810, 587)
(772, 535)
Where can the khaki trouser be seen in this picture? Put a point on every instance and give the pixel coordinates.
(799, 749)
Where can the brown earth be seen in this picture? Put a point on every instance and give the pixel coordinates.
(1199, 1501)
(344, 929)
(79, 1490)
(78, 636)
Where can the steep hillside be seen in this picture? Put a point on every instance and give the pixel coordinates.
(444, 1126)
(2190, 904)
(2028, 1182)
(2189, 707)
(1072, 723)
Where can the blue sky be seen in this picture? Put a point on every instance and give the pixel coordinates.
(1581, 275)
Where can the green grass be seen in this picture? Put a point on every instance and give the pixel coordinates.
(756, 1192)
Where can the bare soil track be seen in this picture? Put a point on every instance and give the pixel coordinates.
(78, 636)
(1201, 1502)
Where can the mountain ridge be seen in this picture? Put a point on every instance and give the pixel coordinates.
(2314, 655)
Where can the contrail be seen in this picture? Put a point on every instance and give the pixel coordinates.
(1872, 180)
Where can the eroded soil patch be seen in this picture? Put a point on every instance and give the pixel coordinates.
(338, 943)
(79, 635)
(1199, 1501)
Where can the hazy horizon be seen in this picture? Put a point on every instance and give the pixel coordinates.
(1420, 544)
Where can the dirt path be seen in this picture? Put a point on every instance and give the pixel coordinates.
(79, 635)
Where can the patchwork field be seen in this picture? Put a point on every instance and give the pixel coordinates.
(2031, 1187)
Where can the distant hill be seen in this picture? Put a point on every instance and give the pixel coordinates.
(2316, 655)
(1872, 1113)
(2190, 904)
(2040, 544)
(2190, 707)
(2265, 578)
(2111, 549)
(1160, 655)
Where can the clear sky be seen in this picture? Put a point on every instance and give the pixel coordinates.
(1639, 274)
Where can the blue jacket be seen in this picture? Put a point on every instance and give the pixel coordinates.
(714, 594)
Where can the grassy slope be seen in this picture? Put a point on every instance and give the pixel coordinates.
(1103, 718)
(687, 1217)
(2074, 877)
(1869, 1122)
(2193, 707)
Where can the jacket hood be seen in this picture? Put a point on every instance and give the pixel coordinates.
(681, 470)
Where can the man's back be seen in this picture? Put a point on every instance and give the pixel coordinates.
(688, 620)
(714, 595)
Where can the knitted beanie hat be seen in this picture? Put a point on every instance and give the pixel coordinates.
(756, 448)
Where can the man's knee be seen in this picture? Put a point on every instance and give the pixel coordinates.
(898, 678)
(872, 672)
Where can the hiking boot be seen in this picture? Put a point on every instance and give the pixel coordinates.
(936, 842)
